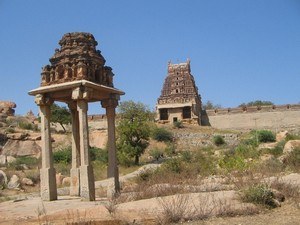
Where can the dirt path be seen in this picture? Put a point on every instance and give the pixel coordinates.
(26, 208)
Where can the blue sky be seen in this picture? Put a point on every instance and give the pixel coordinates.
(240, 50)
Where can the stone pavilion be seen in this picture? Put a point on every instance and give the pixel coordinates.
(179, 99)
(76, 76)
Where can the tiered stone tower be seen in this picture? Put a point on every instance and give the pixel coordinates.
(77, 59)
(179, 99)
(77, 75)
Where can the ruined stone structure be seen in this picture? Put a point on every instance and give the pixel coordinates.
(77, 75)
(179, 99)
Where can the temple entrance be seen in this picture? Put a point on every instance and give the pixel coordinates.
(186, 112)
(163, 114)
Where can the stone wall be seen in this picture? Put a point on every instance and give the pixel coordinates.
(264, 117)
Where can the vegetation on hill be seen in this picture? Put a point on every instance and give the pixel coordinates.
(256, 103)
(210, 105)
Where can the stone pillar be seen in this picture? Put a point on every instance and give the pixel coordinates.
(74, 172)
(86, 175)
(47, 172)
(112, 170)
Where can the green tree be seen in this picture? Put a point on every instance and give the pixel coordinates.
(61, 115)
(133, 129)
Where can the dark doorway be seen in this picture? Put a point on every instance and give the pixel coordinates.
(186, 112)
(175, 119)
(163, 114)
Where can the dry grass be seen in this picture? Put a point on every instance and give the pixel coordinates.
(180, 208)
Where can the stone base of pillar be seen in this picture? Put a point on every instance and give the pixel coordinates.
(48, 184)
(87, 183)
(75, 182)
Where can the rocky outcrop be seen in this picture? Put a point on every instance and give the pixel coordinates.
(14, 182)
(59, 178)
(7, 109)
(21, 148)
(290, 146)
(3, 178)
(281, 135)
(98, 138)
(28, 182)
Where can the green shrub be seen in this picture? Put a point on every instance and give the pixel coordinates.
(292, 137)
(264, 136)
(161, 134)
(30, 162)
(293, 159)
(250, 141)
(27, 126)
(10, 130)
(204, 162)
(278, 149)
(98, 154)
(233, 162)
(246, 151)
(170, 149)
(259, 194)
(174, 165)
(177, 124)
(124, 159)
(186, 156)
(156, 153)
(63, 155)
(218, 140)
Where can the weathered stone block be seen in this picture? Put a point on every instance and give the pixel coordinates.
(48, 184)
(87, 183)
(74, 182)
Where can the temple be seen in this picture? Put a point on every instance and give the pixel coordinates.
(76, 76)
(179, 99)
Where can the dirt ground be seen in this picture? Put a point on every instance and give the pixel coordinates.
(72, 210)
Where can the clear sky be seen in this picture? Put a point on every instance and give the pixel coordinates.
(240, 50)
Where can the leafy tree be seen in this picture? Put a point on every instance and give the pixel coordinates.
(61, 115)
(133, 129)
(256, 103)
(210, 105)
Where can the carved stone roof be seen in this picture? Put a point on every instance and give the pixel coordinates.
(77, 59)
(179, 85)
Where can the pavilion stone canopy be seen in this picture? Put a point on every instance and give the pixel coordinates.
(77, 59)
(76, 75)
(179, 99)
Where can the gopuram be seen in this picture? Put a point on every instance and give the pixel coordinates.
(76, 75)
(179, 99)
